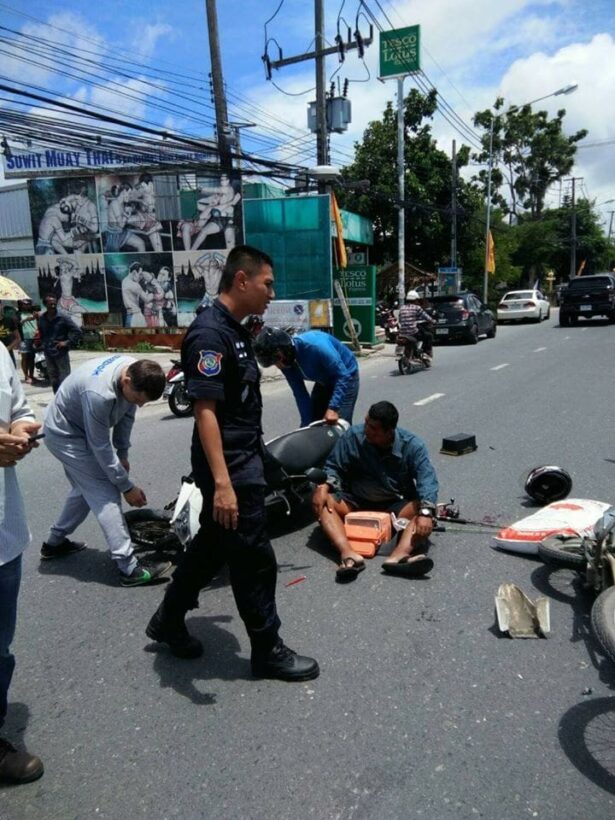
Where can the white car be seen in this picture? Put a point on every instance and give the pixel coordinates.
(523, 304)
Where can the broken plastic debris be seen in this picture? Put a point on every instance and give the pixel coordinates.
(519, 616)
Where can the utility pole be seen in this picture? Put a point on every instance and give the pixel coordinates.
(401, 193)
(573, 229)
(488, 219)
(454, 207)
(322, 153)
(319, 56)
(217, 81)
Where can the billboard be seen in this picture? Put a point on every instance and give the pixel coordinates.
(400, 52)
(101, 245)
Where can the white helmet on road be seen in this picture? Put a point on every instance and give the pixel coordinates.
(412, 295)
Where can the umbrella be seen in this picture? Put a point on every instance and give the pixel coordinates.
(11, 290)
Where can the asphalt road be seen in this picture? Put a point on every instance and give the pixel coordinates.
(422, 710)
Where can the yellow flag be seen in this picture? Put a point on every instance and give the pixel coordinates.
(490, 254)
(342, 258)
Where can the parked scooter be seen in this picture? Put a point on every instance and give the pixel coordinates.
(410, 354)
(175, 391)
(391, 327)
(293, 466)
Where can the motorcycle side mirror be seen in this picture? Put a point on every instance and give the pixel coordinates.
(316, 475)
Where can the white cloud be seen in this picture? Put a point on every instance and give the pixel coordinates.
(592, 66)
(149, 34)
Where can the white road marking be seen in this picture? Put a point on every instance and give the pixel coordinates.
(538, 349)
(433, 397)
(500, 366)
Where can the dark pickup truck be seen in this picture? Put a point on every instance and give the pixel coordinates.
(588, 296)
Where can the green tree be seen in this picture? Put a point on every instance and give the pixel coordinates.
(530, 152)
(427, 187)
(544, 244)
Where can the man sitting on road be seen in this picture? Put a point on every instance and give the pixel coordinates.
(377, 466)
(410, 315)
(318, 357)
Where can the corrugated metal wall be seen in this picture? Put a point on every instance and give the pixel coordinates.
(14, 213)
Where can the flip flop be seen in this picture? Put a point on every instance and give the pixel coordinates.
(348, 572)
(408, 569)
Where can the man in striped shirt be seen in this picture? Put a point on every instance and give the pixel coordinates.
(410, 315)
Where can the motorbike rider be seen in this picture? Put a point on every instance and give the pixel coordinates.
(318, 357)
(410, 314)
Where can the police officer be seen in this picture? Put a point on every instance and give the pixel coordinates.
(223, 381)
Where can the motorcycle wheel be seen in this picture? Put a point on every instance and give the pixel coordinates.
(563, 550)
(179, 403)
(603, 620)
(405, 365)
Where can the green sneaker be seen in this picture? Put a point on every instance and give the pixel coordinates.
(144, 573)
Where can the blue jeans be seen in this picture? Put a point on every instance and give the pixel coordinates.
(10, 578)
(321, 396)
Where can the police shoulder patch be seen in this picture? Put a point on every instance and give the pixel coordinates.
(210, 363)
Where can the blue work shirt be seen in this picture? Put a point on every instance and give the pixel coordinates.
(320, 358)
(371, 473)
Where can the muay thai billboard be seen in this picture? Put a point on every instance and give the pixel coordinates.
(145, 249)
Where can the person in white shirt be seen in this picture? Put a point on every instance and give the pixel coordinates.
(17, 425)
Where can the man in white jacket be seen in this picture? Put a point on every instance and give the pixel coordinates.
(101, 397)
(17, 425)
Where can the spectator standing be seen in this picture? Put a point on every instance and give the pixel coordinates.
(27, 326)
(58, 334)
(8, 332)
(17, 424)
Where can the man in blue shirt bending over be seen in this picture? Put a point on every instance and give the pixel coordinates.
(317, 357)
(377, 466)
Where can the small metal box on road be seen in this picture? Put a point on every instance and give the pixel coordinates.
(458, 445)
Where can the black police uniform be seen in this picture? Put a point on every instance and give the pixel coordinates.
(219, 365)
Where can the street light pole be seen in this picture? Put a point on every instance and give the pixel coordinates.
(488, 219)
(567, 89)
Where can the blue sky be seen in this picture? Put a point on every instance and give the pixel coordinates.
(473, 50)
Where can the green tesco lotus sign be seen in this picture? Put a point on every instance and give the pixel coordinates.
(399, 52)
(359, 286)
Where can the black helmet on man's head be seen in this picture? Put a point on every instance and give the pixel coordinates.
(269, 343)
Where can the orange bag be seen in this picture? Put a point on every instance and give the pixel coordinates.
(367, 531)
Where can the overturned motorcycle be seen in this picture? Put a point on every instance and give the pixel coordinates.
(294, 467)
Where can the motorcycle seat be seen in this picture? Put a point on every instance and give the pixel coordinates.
(306, 447)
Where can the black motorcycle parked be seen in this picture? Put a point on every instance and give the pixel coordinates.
(293, 463)
(175, 391)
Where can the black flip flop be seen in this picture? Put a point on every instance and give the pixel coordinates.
(408, 569)
(345, 573)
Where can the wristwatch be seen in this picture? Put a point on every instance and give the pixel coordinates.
(427, 512)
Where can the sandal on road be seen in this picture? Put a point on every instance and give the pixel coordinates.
(349, 569)
(408, 567)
